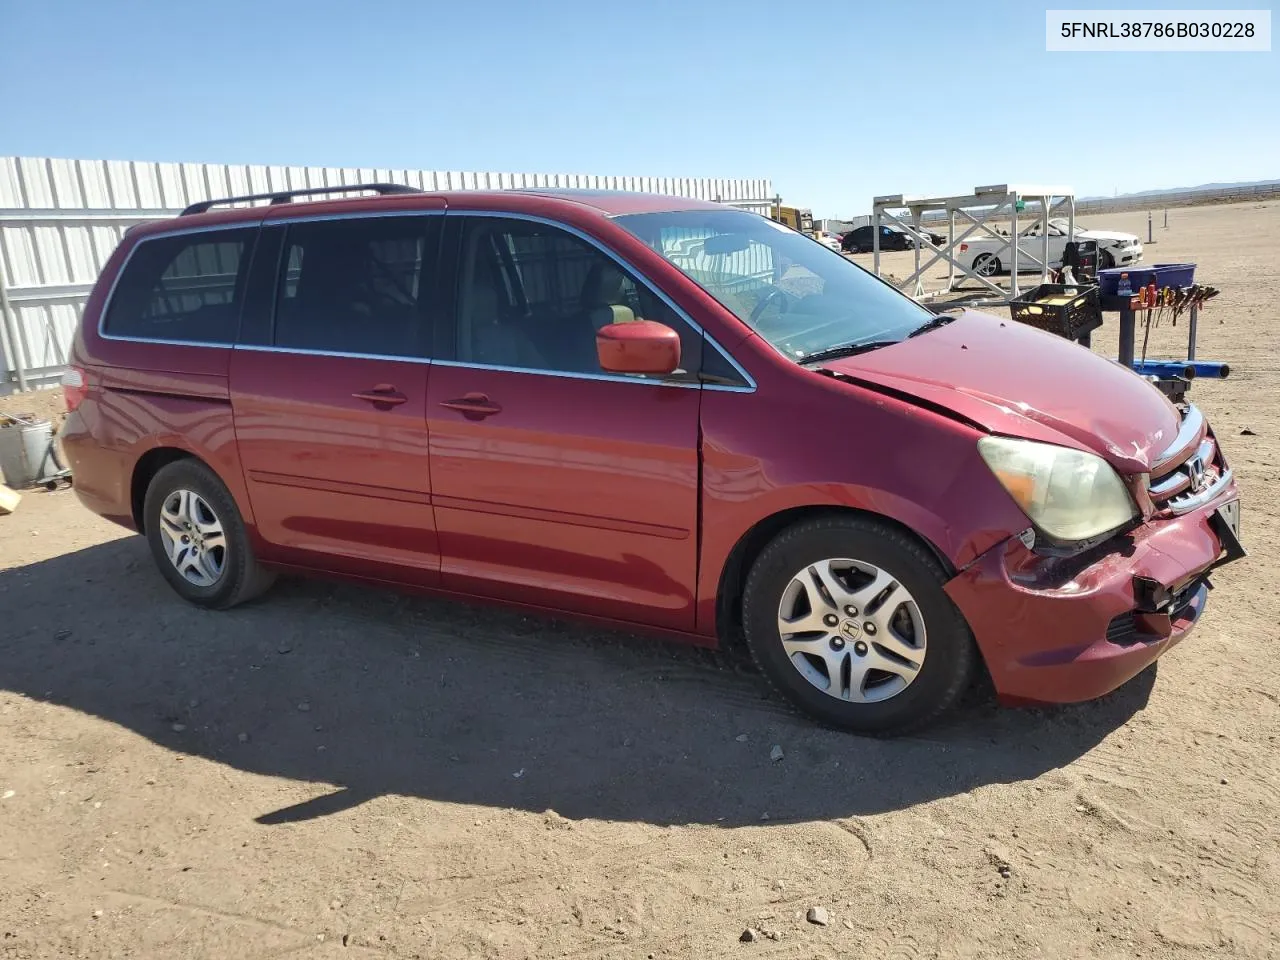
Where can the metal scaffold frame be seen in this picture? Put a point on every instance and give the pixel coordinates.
(984, 204)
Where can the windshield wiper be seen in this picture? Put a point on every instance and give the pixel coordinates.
(845, 350)
(940, 320)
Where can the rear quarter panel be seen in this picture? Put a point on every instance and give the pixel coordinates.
(142, 396)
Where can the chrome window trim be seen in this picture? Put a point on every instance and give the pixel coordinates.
(748, 387)
(258, 224)
(209, 345)
(303, 351)
(164, 235)
(569, 375)
(616, 377)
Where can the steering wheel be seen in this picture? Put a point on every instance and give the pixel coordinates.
(772, 295)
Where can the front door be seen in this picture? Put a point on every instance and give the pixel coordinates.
(555, 483)
(329, 397)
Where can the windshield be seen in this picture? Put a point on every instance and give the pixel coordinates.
(801, 296)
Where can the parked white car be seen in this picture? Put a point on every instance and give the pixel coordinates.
(986, 258)
(829, 240)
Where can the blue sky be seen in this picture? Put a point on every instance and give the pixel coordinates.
(834, 100)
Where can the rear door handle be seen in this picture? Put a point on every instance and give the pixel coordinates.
(473, 405)
(384, 394)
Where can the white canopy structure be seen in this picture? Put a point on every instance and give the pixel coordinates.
(994, 202)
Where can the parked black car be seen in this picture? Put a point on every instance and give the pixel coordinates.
(859, 240)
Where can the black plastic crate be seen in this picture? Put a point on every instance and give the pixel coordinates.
(1073, 320)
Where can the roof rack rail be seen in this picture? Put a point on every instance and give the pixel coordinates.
(286, 196)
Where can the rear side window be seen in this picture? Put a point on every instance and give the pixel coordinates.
(355, 286)
(185, 288)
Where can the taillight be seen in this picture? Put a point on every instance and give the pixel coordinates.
(964, 247)
(73, 387)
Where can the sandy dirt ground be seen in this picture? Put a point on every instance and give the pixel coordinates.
(340, 772)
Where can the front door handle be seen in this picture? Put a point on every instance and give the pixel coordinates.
(473, 405)
(384, 394)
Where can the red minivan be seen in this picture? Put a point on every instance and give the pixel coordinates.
(653, 412)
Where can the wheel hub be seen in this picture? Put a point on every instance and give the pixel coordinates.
(193, 537)
(851, 630)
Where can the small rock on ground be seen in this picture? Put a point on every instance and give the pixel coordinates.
(776, 753)
(748, 936)
(818, 915)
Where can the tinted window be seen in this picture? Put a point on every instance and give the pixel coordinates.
(183, 288)
(533, 296)
(354, 286)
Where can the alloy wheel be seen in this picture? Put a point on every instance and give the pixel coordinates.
(193, 537)
(851, 630)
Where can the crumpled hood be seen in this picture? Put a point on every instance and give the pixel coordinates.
(1014, 380)
(1108, 235)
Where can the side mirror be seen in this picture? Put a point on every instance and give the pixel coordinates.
(640, 346)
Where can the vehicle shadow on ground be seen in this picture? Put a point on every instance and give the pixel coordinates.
(378, 693)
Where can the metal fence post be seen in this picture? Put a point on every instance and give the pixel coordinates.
(10, 324)
(1013, 268)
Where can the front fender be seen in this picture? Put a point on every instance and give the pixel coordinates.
(915, 467)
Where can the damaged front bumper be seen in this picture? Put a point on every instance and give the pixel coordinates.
(1056, 630)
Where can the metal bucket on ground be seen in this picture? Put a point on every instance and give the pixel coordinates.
(25, 452)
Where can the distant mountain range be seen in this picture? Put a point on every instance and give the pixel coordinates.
(1204, 187)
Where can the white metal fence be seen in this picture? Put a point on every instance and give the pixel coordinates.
(61, 219)
(1179, 198)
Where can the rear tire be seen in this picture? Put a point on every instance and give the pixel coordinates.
(986, 265)
(915, 633)
(198, 538)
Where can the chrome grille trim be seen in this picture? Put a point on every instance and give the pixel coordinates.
(1193, 501)
(1192, 428)
(1189, 478)
(1180, 480)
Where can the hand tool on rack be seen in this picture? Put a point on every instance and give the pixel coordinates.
(1148, 296)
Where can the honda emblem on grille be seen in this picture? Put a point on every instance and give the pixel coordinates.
(1195, 471)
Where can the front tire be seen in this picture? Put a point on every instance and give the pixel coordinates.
(1105, 260)
(198, 538)
(846, 617)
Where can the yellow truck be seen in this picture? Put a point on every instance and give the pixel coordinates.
(793, 217)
